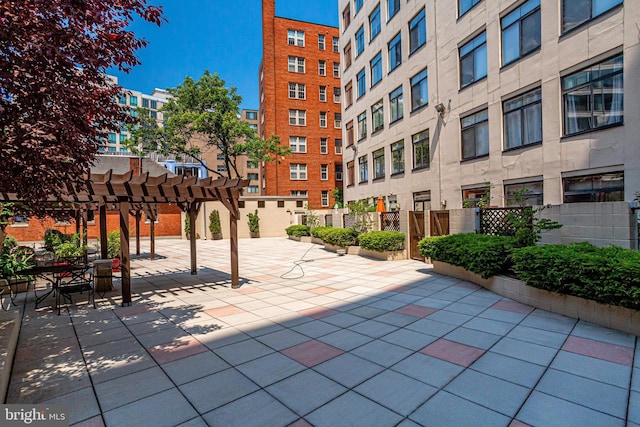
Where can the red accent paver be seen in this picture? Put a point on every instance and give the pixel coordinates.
(453, 352)
(513, 306)
(599, 350)
(312, 353)
(323, 276)
(397, 288)
(177, 349)
(516, 423)
(416, 310)
(301, 423)
(247, 291)
(318, 312)
(322, 290)
(226, 310)
(467, 285)
(132, 310)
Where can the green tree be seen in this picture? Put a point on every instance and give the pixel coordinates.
(206, 109)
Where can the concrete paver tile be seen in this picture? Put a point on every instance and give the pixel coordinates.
(255, 410)
(306, 391)
(445, 409)
(312, 353)
(82, 405)
(355, 410)
(243, 351)
(453, 352)
(533, 353)
(123, 390)
(593, 368)
(168, 408)
(348, 369)
(193, 367)
(345, 339)
(509, 369)
(382, 353)
(218, 389)
(270, 369)
(611, 352)
(428, 369)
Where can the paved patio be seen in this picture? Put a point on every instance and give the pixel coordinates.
(336, 341)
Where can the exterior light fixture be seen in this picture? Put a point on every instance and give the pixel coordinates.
(441, 109)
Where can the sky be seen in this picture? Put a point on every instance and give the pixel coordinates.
(223, 36)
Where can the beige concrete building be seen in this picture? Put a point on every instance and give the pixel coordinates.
(448, 100)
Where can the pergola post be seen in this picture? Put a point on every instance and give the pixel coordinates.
(125, 263)
(152, 238)
(233, 229)
(104, 252)
(192, 212)
(138, 216)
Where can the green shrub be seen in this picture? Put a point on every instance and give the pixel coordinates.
(53, 238)
(319, 232)
(113, 244)
(610, 275)
(478, 253)
(342, 237)
(214, 223)
(298, 230)
(254, 222)
(382, 240)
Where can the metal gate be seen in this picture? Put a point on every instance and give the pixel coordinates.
(416, 233)
(439, 223)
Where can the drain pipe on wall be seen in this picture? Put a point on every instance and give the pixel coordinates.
(635, 208)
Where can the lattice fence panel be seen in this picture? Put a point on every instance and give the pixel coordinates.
(390, 221)
(349, 220)
(495, 221)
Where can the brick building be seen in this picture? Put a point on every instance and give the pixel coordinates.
(300, 102)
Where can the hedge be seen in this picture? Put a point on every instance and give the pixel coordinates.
(319, 232)
(342, 237)
(298, 230)
(479, 253)
(382, 240)
(610, 275)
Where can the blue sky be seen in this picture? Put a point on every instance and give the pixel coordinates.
(217, 35)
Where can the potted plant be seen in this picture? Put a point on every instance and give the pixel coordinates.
(70, 250)
(214, 225)
(12, 260)
(113, 248)
(254, 224)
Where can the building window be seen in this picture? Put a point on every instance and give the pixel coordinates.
(336, 69)
(465, 5)
(361, 78)
(593, 97)
(296, 38)
(362, 125)
(297, 117)
(253, 126)
(376, 69)
(221, 168)
(221, 157)
(323, 119)
(348, 94)
(359, 41)
(475, 135)
(347, 56)
(296, 64)
(145, 103)
(363, 164)
(133, 112)
(321, 42)
(154, 105)
(322, 68)
(336, 95)
(188, 171)
(395, 102)
(298, 193)
(377, 116)
(575, 12)
(338, 145)
(296, 91)
(521, 31)
(476, 197)
(111, 138)
(523, 120)
(397, 157)
(339, 172)
(324, 172)
(324, 148)
(417, 32)
(473, 60)
(607, 187)
(378, 164)
(374, 22)
(337, 120)
(349, 129)
(122, 99)
(419, 90)
(252, 189)
(395, 52)
(133, 101)
(298, 144)
(524, 194)
(358, 5)
(393, 7)
(252, 176)
(335, 43)
(281, 203)
(322, 96)
(324, 198)
(251, 164)
(346, 18)
(298, 171)
(253, 115)
(420, 142)
(350, 173)
(422, 201)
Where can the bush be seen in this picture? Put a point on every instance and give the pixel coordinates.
(254, 222)
(298, 230)
(214, 223)
(342, 237)
(382, 240)
(478, 253)
(53, 238)
(113, 244)
(320, 232)
(610, 275)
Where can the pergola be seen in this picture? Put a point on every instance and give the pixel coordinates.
(141, 193)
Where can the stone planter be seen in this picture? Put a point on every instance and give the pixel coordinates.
(296, 238)
(610, 316)
(384, 256)
(254, 234)
(317, 240)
